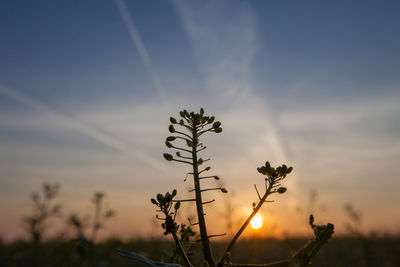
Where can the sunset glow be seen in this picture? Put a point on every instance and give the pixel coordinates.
(256, 222)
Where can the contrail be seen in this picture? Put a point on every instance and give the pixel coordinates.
(141, 48)
(78, 126)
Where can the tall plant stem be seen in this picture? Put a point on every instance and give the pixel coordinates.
(181, 250)
(246, 223)
(200, 213)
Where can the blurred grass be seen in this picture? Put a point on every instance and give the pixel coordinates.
(341, 251)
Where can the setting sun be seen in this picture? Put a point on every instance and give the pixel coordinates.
(256, 222)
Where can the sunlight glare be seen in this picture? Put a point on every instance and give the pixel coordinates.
(256, 222)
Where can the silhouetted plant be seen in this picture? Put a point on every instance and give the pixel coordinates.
(99, 218)
(353, 227)
(43, 209)
(86, 244)
(185, 140)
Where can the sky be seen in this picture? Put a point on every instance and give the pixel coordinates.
(87, 89)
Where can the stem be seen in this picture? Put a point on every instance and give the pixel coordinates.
(256, 209)
(200, 213)
(181, 250)
(96, 221)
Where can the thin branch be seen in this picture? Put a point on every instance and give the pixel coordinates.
(182, 149)
(216, 235)
(210, 189)
(183, 200)
(259, 197)
(187, 162)
(211, 176)
(237, 235)
(178, 132)
(181, 250)
(207, 202)
(201, 149)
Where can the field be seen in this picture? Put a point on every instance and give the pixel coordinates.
(340, 251)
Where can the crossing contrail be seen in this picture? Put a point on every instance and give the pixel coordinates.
(140, 46)
(73, 123)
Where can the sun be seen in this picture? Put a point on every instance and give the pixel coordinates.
(256, 222)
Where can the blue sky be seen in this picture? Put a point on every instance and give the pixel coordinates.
(86, 90)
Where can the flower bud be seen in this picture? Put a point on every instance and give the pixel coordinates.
(216, 124)
(282, 190)
(177, 205)
(160, 198)
(172, 120)
(168, 156)
(218, 130)
(223, 190)
(171, 129)
(171, 138)
(168, 144)
(154, 201)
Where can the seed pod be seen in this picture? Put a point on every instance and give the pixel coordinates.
(168, 144)
(171, 129)
(211, 119)
(154, 201)
(168, 197)
(311, 220)
(254, 205)
(200, 161)
(289, 170)
(216, 124)
(216, 177)
(168, 157)
(177, 205)
(181, 122)
(189, 143)
(160, 198)
(223, 190)
(171, 138)
(218, 130)
(282, 190)
(201, 111)
(172, 120)
(174, 192)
